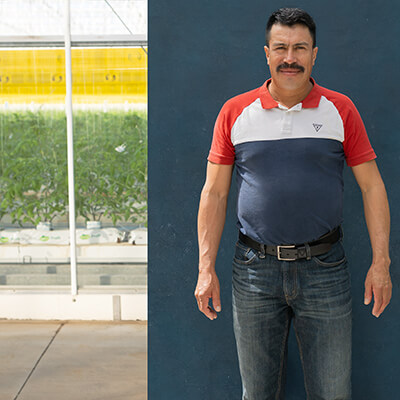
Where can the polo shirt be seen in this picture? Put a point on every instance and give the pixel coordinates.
(289, 162)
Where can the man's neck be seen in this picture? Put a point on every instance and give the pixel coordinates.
(288, 98)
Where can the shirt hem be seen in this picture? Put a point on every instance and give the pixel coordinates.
(361, 159)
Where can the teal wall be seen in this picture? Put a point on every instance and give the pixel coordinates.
(201, 54)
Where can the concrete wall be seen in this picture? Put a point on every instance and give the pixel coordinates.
(28, 304)
(201, 54)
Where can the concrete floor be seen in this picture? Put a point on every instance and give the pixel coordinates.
(73, 360)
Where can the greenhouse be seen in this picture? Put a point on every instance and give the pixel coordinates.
(73, 161)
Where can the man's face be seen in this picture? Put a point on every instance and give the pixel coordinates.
(290, 56)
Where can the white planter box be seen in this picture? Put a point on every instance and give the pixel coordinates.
(91, 253)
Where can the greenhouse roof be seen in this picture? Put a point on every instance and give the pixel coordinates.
(32, 21)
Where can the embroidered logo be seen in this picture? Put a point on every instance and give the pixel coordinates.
(317, 127)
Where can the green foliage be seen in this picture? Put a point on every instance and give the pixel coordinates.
(108, 182)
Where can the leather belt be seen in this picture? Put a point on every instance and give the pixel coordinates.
(296, 251)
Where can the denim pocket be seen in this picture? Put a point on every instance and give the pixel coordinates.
(244, 255)
(334, 257)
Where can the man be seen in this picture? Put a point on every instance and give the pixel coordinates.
(288, 140)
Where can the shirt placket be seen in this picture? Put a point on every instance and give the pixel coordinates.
(287, 121)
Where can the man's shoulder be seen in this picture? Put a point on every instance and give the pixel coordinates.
(340, 100)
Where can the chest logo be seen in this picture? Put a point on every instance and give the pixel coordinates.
(317, 127)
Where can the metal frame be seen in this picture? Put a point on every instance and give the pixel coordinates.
(70, 146)
(76, 41)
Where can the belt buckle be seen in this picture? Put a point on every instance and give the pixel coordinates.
(278, 252)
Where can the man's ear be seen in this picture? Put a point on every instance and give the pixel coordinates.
(314, 55)
(266, 49)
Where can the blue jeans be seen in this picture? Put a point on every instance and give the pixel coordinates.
(268, 295)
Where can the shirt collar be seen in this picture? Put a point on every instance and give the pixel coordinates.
(311, 101)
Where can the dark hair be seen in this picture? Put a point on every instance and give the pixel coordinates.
(290, 17)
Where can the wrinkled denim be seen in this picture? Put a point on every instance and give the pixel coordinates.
(314, 295)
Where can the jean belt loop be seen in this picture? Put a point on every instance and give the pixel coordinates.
(263, 251)
(308, 251)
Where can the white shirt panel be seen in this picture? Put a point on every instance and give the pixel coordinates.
(257, 124)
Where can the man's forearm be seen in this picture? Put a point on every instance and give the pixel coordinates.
(377, 216)
(211, 220)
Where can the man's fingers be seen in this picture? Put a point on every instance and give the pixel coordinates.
(387, 295)
(378, 300)
(202, 303)
(368, 292)
(208, 311)
(198, 301)
(216, 302)
(211, 313)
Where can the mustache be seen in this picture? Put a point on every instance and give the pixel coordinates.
(289, 66)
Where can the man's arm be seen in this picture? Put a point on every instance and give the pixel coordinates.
(376, 209)
(210, 223)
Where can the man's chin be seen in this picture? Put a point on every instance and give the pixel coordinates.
(290, 82)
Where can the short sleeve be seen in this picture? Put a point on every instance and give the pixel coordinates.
(222, 150)
(357, 147)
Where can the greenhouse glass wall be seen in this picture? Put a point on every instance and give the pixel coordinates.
(109, 98)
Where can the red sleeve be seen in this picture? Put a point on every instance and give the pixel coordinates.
(222, 150)
(356, 145)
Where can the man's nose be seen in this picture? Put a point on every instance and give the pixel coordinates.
(290, 57)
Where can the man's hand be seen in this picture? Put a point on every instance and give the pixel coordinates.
(208, 288)
(379, 285)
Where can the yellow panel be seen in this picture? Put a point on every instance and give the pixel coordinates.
(113, 74)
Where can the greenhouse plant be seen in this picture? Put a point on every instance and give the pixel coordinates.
(110, 165)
